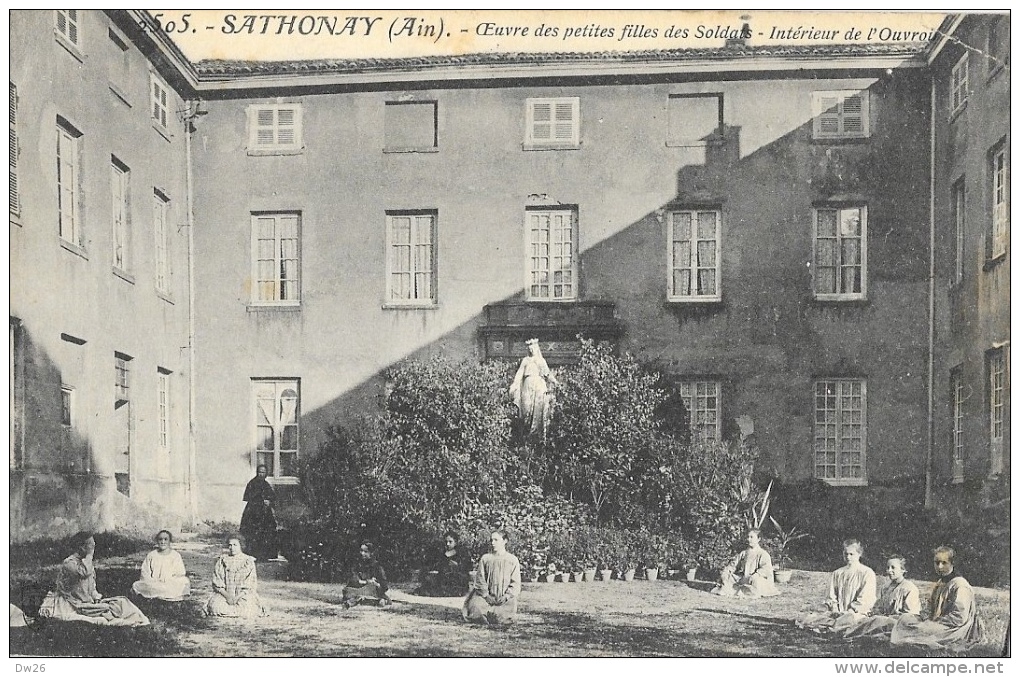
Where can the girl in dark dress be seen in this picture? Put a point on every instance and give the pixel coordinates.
(447, 576)
(367, 583)
(258, 521)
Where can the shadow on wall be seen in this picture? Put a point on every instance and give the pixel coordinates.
(767, 337)
(56, 485)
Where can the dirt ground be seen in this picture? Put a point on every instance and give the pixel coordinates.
(640, 618)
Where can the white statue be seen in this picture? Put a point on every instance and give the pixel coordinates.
(530, 390)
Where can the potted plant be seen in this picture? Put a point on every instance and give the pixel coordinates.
(780, 545)
(550, 572)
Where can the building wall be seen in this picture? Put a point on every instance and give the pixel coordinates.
(767, 340)
(973, 310)
(71, 311)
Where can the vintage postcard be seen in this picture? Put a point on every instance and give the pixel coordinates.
(487, 333)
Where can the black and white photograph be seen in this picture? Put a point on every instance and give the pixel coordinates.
(511, 334)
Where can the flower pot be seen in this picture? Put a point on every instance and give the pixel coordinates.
(563, 577)
(628, 575)
(589, 575)
(651, 574)
(606, 574)
(692, 573)
(576, 576)
(783, 575)
(549, 578)
(674, 574)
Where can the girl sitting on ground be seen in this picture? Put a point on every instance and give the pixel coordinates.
(447, 576)
(163, 575)
(899, 597)
(367, 583)
(235, 584)
(749, 574)
(952, 621)
(496, 586)
(851, 594)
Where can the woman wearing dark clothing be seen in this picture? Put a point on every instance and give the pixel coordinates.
(258, 521)
(447, 576)
(367, 582)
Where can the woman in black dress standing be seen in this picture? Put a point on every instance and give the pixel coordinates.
(258, 521)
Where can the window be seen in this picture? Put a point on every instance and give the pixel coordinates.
(840, 431)
(68, 183)
(998, 45)
(956, 383)
(694, 119)
(67, 26)
(410, 126)
(163, 408)
(15, 393)
(996, 406)
(160, 102)
(123, 422)
(15, 195)
(552, 238)
(120, 186)
(694, 255)
(999, 170)
(959, 210)
(841, 115)
(701, 398)
(274, 128)
(553, 123)
(958, 88)
(66, 406)
(275, 254)
(277, 408)
(412, 258)
(160, 213)
(840, 253)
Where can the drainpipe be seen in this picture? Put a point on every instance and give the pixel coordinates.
(192, 111)
(929, 461)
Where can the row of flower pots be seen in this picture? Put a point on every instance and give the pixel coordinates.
(590, 575)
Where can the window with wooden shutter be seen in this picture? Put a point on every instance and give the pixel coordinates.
(160, 103)
(960, 85)
(553, 123)
(15, 195)
(160, 216)
(999, 170)
(69, 221)
(274, 129)
(841, 115)
(120, 187)
(66, 26)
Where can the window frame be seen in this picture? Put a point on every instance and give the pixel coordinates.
(274, 148)
(958, 203)
(433, 148)
(163, 409)
(122, 384)
(14, 151)
(840, 478)
(278, 260)
(692, 401)
(999, 189)
(997, 389)
(959, 85)
(120, 176)
(70, 229)
(72, 20)
(717, 133)
(862, 295)
(531, 142)
(280, 386)
(957, 389)
(530, 256)
(818, 112)
(671, 268)
(431, 299)
(159, 110)
(67, 406)
(161, 232)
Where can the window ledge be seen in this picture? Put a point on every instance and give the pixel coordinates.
(694, 300)
(163, 131)
(999, 67)
(841, 300)
(123, 274)
(165, 296)
(284, 481)
(854, 482)
(424, 149)
(993, 261)
(837, 140)
(546, 301)
(957, 112)
(74, 248)
(264, 152)
(396, 305)
(550, 146)
(119, 93)
(271, 308)
(71, 48)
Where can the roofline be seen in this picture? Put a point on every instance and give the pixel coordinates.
(594, 68)
(142, 27)
(945, 32)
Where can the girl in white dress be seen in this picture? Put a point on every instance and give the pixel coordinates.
(163, 573)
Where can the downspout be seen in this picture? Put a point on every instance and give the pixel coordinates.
(929, 461)
(192, 464)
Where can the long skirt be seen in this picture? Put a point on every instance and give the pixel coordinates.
(174, 590)
(258, 526)
(477, 610)
(370, 593)
(745, 586)
(830, 621)
(910, 630)
(247, 605)
(443, 584)
(111, 611)
(872, 627)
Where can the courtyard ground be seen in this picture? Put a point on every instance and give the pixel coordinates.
(640, 618)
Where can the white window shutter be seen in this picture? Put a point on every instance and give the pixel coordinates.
(15, 207)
